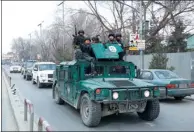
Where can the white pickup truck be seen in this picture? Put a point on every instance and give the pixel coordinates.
(42, 73)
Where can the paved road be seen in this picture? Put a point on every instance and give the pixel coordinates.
(174, 115)
(8, 120)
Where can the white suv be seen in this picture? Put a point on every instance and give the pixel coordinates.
(42, 73)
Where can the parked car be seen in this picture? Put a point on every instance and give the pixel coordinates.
(27, 69)
(42, 73)
(15, 69)
(173, 85)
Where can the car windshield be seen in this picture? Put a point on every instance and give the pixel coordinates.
(166, 75)
(29, 64)
(43, 67)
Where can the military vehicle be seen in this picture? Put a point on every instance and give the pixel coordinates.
(27, 69)
(106, 87)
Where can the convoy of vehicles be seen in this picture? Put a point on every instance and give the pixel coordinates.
(174, 86)
(108, 89)
(107, 85)
(42, 73)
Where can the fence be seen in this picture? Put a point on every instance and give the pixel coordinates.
(29, 107)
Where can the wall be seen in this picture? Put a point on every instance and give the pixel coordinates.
(180, 61)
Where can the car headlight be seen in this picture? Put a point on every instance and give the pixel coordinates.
(146, 93)
(115, 95)
(42, 75)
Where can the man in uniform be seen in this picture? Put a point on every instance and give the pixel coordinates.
(112, 40)
(78, 40)
(118, 39)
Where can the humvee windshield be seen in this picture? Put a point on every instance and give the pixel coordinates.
(112, 70)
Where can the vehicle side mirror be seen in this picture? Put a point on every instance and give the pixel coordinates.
(138, 72)
(35, 69)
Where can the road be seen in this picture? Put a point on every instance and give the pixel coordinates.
(174, 115)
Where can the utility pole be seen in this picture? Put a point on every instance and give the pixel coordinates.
(62, 3)
(141, 34)
(40, 24)
(30, 45)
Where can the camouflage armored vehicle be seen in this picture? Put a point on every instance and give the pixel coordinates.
(107, 87)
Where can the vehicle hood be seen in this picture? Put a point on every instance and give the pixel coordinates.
(46, 72)
(19, 67)
(113, 83)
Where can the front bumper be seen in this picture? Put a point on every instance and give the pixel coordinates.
(180, 92)
(46, 80)
(15, 71)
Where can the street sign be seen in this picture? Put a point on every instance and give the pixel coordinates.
(140, 44)
(133, 43)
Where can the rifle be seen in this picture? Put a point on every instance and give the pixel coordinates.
(75, 35)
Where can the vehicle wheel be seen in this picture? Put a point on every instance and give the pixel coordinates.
(58, 100)
(33, 82)
(90, 111)
(39, 84)
(24, 76)
(151, 111)
(179, 98)
(27, 77)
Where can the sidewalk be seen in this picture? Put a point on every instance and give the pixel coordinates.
(8, 120)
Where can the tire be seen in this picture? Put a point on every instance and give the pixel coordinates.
(90, 111)
(33, 82)
(58, 100)
(27, 77)
(39, 84)
(179, 98)
(24, 76)
(151, 111)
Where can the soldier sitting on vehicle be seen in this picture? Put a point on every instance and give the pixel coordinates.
(95, 39)
(118, 39)
(78, 40)
(112, 40)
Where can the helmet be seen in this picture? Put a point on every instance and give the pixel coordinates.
(81, 31)
(118, 35)
(111, 34)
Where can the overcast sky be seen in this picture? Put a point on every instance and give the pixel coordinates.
(19, 18)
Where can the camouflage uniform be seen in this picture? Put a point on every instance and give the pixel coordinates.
(121, 54)
(78, 40)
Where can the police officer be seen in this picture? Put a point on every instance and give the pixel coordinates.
(95, 39)
(111, 38)
(118, 37)
(78, 40)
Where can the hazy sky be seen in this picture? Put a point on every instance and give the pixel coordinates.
(19, 18)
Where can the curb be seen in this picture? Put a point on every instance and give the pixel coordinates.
(18, 108)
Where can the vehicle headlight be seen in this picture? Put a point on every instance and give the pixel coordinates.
(115, 95)
(42, 75)
(146, 93)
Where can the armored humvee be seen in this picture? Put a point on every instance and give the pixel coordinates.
(107, 87)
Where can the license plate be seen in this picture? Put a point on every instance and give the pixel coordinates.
(182, 85)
